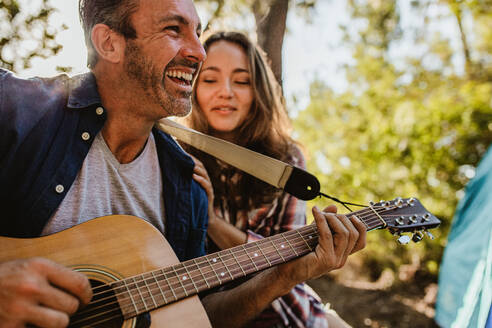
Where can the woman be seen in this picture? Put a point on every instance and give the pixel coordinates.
(237, 98)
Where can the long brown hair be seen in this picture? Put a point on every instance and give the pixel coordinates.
(266, 129)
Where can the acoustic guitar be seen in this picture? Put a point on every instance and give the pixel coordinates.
(133, 270)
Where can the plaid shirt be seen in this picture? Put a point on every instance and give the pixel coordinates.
(302, 307)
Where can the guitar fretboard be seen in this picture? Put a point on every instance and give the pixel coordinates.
(148, 291)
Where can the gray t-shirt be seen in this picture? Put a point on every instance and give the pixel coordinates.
(105, 187)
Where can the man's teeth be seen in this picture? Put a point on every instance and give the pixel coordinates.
(180, 75)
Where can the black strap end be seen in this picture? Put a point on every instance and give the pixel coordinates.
(302, 184)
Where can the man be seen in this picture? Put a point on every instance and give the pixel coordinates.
(74, 149)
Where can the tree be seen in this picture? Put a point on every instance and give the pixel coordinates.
(26, 33)
(411, 125)
(270, 18)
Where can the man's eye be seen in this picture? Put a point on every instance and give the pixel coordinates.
(172, 28)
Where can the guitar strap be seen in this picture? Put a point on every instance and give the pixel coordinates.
(293, 180)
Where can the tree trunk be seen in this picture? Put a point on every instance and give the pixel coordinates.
(466, 50)
(270, 29)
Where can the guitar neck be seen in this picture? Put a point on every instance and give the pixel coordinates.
(154, 289)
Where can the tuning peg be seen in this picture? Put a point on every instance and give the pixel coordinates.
(418, 236)
(404, 239)
(430, 235)
(398, 202)
(400, 220)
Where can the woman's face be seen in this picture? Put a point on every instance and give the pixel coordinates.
(224, 91)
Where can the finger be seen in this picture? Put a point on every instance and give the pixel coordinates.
(41, 316)
(331, 209)
(205, 183)
(341, 236)
(198, 163)
(73, 282)
(325, 240)
(200, 169)
(353, 236)
(58, 299)
(362, 229)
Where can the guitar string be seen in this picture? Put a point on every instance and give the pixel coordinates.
(134, 312)
(198, 266)
(184, 288)
(175, 281)
(368, 223)
(117, 315)
(275, 250)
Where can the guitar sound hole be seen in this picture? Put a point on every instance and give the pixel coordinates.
(103, 310)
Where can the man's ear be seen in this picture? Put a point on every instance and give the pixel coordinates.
(110, 45)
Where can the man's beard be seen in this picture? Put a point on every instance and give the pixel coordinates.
(141, 69)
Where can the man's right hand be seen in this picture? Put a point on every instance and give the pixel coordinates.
(40, 292)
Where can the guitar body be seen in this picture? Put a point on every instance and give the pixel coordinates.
(108, 249)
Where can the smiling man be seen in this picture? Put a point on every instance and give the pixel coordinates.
(72, 149)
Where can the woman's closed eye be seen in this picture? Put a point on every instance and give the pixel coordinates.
(209, 80)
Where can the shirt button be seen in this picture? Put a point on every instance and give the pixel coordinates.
(59, 189)
(99, 110)
(86, 136)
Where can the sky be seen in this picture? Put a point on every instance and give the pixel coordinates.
(310, 50)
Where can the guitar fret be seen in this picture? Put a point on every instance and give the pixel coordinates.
(140, 293)
(274, 246)
(131, 297)
(225, 266)
(261, 251)
(239, 264)
(378, 216)
(201, 272)
(302, 237)
(314, 231)
(159, 286)
(184, 278)
(213, 269)
(169, 284)
(150, 291)
(363, 221)
(191, 278)
(250, 258)
(288, 242)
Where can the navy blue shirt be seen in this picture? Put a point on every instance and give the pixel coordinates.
(46, 129)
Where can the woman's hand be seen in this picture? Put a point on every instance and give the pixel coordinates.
(201, 176)
(224, 234)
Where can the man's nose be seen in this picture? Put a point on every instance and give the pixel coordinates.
(194, 50)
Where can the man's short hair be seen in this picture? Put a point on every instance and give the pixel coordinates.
(114, 13)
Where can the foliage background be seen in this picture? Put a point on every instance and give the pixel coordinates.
(415, 118)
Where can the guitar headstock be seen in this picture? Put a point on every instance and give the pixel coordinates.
(403, 215)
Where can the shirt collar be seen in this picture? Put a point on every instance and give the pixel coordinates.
(82, 91)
